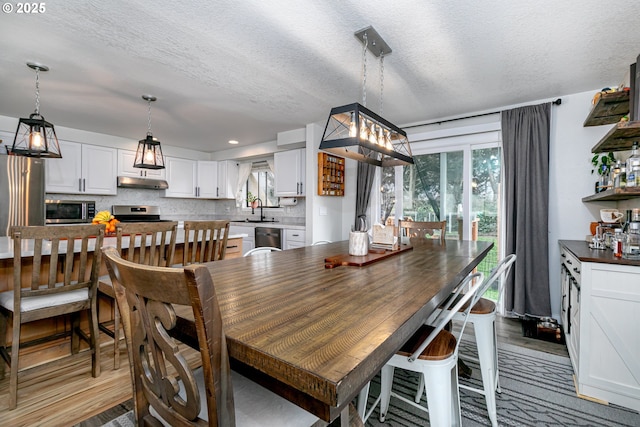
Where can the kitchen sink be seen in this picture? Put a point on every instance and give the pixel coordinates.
(260, 221)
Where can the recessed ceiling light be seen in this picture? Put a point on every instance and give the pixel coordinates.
(233, 142)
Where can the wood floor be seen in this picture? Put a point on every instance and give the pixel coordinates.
(67, 395)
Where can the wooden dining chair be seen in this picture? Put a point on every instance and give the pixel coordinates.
(208, 243)
(59, 276)
(424, 229)
(261, 250)
(166, 388)
(149, 243)
(483, 318)
(432, 352)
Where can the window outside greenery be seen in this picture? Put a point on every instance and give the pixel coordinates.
(261, 184)
(433, 191)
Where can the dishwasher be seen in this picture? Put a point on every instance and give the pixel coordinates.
(269, 236)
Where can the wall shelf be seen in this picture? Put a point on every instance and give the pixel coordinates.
(610, 108)
(621, 137)
(613, 194)
(330, 175)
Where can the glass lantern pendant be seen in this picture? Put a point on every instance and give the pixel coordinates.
(149, 153)
(35, 137)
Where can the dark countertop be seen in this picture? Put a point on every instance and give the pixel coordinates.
(584, 253)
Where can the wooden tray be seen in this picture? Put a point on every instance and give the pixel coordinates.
(374, 255)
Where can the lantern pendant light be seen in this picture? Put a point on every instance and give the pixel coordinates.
(358, 133)
(149, 153)
(35, 137)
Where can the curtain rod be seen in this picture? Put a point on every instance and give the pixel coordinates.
(439, 122)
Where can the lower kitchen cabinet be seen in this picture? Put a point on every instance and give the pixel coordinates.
(601, 314)
(248, 242)
(234, 248)
(293, 239)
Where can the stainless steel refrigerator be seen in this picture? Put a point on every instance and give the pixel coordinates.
(21, 192)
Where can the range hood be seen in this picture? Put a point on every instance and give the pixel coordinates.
(145, 183)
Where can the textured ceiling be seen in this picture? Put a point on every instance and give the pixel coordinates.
(248, 69)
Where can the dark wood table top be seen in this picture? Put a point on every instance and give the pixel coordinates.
(317, 335)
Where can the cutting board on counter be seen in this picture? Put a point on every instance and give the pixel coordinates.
(374, 255)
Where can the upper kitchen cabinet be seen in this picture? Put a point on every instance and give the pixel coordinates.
(290, 173)
(202, 179)
(182, 177)
(227, 179)
(83, 169)
(126, 159)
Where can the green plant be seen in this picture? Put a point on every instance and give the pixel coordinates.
(251, 198)
(602, 163)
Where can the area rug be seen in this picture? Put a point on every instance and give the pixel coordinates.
(537, 390)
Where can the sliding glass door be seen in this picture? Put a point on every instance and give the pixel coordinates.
(458, 184)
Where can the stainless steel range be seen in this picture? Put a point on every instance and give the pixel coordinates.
(136, 213)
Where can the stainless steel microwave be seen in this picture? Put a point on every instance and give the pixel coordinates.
(69, 211)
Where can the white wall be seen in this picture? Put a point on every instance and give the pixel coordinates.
(571, 179)
(326, 215)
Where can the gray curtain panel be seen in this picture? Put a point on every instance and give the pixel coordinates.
(364, 182)
(525, 142)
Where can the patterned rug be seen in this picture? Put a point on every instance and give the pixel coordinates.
(537, 390)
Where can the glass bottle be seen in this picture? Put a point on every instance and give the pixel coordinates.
(617, 243)
(631, 245)
(625, 228)
(633, 167)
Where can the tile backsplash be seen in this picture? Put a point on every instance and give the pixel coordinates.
(185, 209)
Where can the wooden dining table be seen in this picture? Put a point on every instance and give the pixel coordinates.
(317, 335)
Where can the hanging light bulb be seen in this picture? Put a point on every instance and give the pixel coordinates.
(387, 140)
(353, 130)
(35, 137)
(363, 129)
(149, 153)
(372, 134)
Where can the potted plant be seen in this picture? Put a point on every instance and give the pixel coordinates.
(602, 164)
(252, 200)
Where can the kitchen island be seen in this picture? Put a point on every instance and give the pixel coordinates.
(600, 315)
(39, 329)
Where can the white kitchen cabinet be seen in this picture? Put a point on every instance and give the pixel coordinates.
(126, 159)
(83, 169)
(290, 173)
(201, 179)
(249, 241)
(293, 238)
(182, 177)
(601, 333)
(207, 183)
(227, 179)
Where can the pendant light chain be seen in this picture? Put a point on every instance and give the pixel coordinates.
(364, 69)
(381, 82)
(149, 122)
(38, 91)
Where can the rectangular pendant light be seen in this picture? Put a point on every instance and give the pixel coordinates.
(358, 133)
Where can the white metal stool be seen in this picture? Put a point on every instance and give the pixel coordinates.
(483, 318)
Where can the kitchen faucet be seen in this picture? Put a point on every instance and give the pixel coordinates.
(261, 210)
